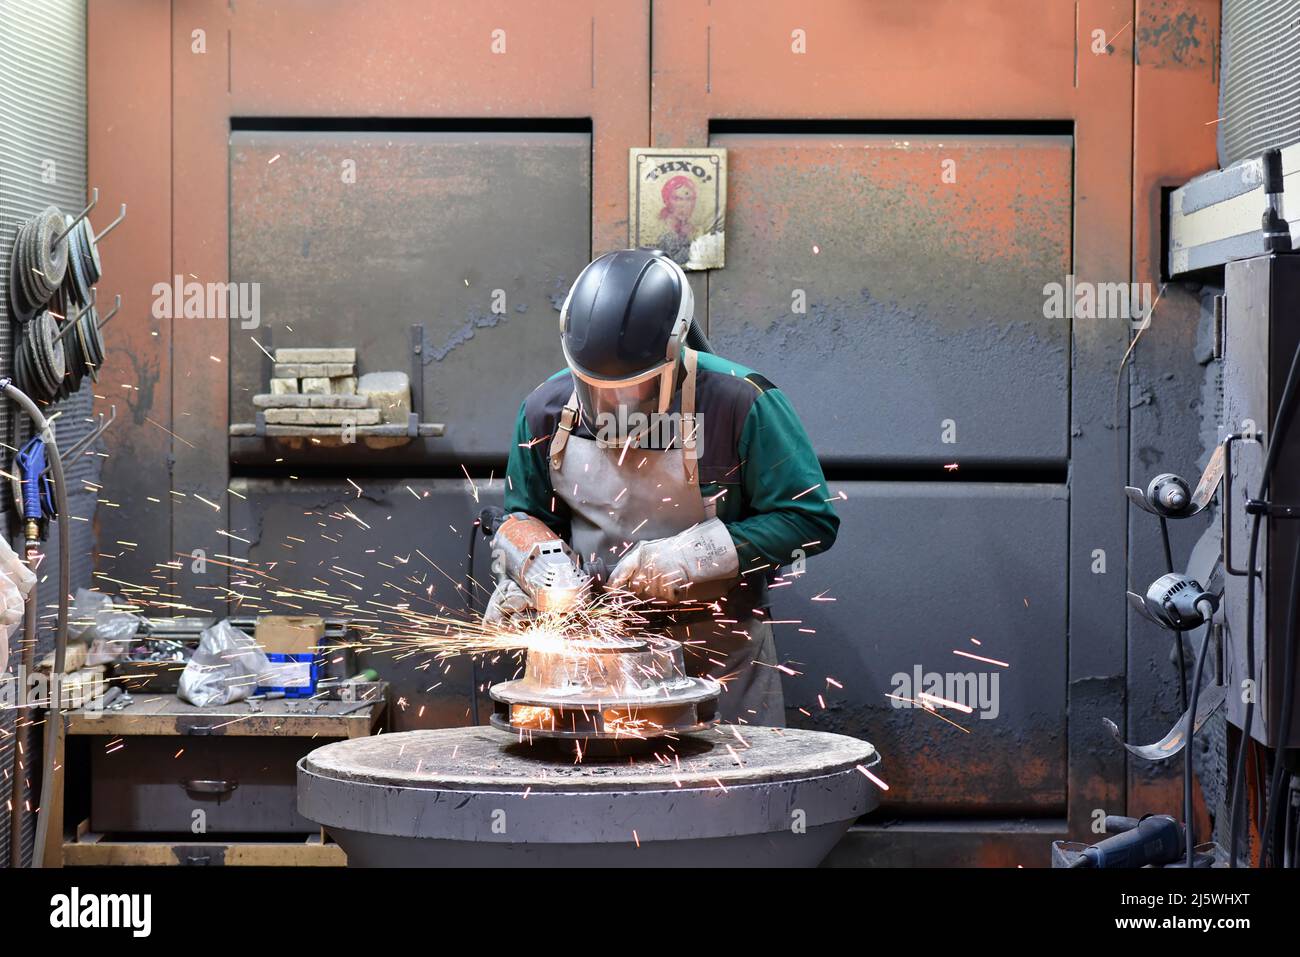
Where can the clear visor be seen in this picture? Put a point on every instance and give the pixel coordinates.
(618, 410)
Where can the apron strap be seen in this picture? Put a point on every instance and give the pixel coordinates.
(689, 430)
(568, 418)
(690, 461)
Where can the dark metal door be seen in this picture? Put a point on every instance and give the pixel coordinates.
(894, 288)
(355, 237)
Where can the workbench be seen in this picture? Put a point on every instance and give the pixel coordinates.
(162, 782)
(481, 797)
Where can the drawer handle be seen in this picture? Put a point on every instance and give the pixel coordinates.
(210, 786)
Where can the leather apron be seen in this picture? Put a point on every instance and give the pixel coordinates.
(618, 496)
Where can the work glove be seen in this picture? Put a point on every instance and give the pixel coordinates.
(507, 600)
(16, 583)
(699, 564)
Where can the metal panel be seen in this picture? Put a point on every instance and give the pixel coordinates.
(128, 104)
(396, 541)
(242, 785)
(1171, 402)
(42, 162)
(746, 71)
(439, 228)
(925, 298)
(885, 606)
(1260, 339)
(1260, 89)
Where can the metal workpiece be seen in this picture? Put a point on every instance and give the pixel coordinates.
(617, 689)
(475, 797)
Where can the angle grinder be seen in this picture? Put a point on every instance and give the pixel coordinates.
(525, 549)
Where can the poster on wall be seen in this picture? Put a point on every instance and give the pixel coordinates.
(677, 202)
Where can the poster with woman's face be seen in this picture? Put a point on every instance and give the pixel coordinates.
(677, 202)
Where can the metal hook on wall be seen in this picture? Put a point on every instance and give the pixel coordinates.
(117, 304)
(89, 439)
(111, 226)
(94, 198)
(72, 323)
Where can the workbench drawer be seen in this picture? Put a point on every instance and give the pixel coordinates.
(197, 785)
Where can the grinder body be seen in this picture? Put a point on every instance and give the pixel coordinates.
(540, 562)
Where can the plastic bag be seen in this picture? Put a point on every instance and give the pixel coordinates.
(110, 633)
(225, 668)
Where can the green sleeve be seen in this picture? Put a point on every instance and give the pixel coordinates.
(786, 500)
(528, 479)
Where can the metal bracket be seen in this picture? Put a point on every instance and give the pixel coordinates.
(1271, 509)
(1220, 325)
(268, 356)
(417, 377)
(87, 440)
(259, 424)
(1227, 508)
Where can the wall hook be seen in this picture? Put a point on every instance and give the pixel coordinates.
(111, 226)
(94, 198)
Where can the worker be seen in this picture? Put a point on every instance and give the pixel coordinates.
(688, 474)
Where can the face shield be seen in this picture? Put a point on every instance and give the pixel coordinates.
(619, 409)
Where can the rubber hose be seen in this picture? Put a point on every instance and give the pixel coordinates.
(1188, 757)
(22, 734)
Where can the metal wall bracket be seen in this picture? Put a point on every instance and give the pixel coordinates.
(417, 370)
(1271, 509)
(1227, 508)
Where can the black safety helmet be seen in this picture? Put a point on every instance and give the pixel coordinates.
(623, 327)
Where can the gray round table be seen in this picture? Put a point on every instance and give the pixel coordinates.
(478, 797)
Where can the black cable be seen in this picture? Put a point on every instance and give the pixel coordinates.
(1280, 424)
(469, 608)
(1239, 770)
(1178, 635)
(1188, 778)
(1267, 838)
(1292, 820)
(1288, 835)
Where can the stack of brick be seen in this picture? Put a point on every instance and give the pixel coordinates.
(316, 387)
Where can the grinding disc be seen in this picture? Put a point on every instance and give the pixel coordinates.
(21, 297)
(87, 366)
(26, 378)
(20, 363)
(85, 335)
(51, 257)
(77, 283)
(15, 279)
(95, 338)
(36, 357)
(41, 354)
(95, 268)
(53, 347)
(76, 358)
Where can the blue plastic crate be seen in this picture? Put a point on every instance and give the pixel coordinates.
(302, 670)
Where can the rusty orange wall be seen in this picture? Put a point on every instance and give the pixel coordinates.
(159, 119)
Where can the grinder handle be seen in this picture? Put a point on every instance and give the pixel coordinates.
(490, 519)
